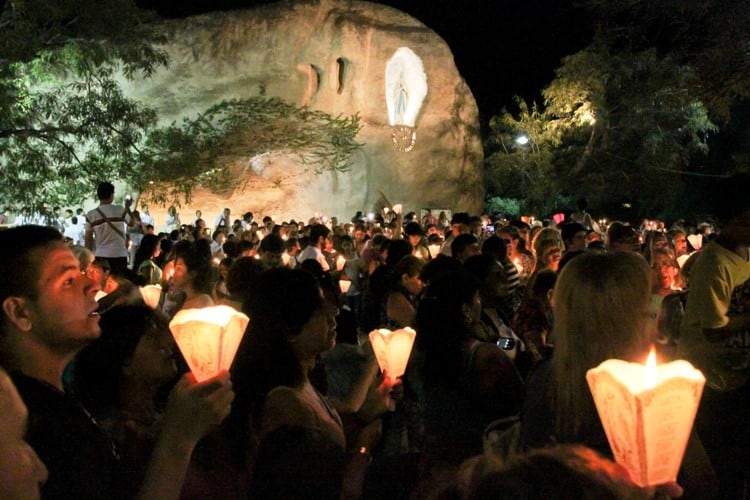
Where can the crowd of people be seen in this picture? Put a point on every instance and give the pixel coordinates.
(98, 402)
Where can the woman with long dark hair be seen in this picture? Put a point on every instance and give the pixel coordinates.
(144, 264)
(467, 383)
(120, 377)
(404, 285)
(193, 273)
(294, 443)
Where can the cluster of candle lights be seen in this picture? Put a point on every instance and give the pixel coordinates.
(647, 410)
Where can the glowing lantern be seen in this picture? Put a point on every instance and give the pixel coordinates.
(344, 285)
(151, 295)
(392, 349)
(434, 250)
(517, 263)
(208, 338)
(647, 413)
(340, 262)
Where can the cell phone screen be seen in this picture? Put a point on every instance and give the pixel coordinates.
(506, 343)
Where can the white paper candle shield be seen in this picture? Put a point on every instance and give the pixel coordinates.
(208, 338)
(344, 285)
(647, 413)
(392, 349)
(151, 295)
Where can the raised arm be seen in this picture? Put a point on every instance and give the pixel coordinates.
(193, 410)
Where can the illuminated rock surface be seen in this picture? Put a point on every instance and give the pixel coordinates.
(331, 56)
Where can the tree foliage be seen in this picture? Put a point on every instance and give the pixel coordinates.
(521, 171)
(195, 152)
(622, 121)
(65, 123)
(63, 118)
(710, 36)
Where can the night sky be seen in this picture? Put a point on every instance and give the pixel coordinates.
(501, 47)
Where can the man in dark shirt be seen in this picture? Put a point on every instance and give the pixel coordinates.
(48, 314)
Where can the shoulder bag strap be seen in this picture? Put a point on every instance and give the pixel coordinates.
(114, 228)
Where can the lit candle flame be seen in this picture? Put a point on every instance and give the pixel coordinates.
(517, 263)
(650, 372)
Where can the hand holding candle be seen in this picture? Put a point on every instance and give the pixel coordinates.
(392, 349)
(647, 413)
(208, 338)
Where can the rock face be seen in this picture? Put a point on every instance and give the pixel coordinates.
(329, 55)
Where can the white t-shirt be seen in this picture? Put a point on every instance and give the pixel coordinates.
(147, 219)
(311, 252)
(109, 238)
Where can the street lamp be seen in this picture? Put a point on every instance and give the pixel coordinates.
(522, 140)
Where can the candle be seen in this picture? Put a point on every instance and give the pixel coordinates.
(208, 338)
(647, 412)
(434, 250)
(517, 263)
(392, 349)
(151, 295)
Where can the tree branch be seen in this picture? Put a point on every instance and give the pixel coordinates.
(31, 132)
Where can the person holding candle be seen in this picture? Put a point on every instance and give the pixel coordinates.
(404, 286)
(398, 309)
(521, 258)
(117, 378)
(48, 315)
(600, 304)
(277, 403)
(377, 283)
(352, 271)
(415, 236)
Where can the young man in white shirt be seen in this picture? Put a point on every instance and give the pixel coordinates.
(314, 248)
(106, 228)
